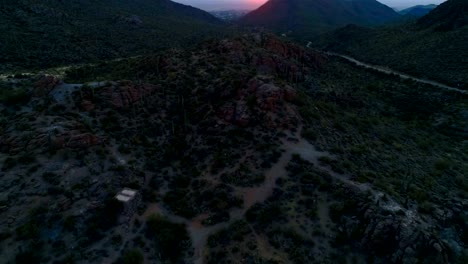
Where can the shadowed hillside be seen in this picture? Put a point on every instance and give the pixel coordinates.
(50, 33)
(450, 15)
(434, 47)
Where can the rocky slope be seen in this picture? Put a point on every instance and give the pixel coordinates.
(214, 140)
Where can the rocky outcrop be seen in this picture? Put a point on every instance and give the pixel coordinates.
(75, 140)
(271, 56)
(236, 113)
(68, 134)
(260, 100)
(295, 52)
(119, 95)
(392, 237)
(45, 84)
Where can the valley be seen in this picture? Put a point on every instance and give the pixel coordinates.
(392, 72)
(180, 138)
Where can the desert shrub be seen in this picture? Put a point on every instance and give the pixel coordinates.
(103, 219)
(179, 202)
(217, 218)
(293, 243)
(244, 176)
(309, 134)
(132, 256)
(124, 149)
(4, 235)
(30, 230)
(418, 194)
(30, 255)
(14, 96)
(442, 164)
(426, 207)
(116, 240)
(264, 214)
(235, 232)
(9, 164)
(69, 223)
(51, 178)
(180, 182)
(337, 210)
(251, 101)
(325, 160)
(171, 239)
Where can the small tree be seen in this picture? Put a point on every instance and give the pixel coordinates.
(133, 256)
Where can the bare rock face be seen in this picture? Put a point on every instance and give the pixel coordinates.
(75, 140)
(45, 84)
(395, 238)
(67, 134)
(272, 56)
(260, 101)
(120, 95)
(242, 117)
(87, 105)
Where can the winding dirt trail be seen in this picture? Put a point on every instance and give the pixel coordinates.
(199, 234)
(390, 71)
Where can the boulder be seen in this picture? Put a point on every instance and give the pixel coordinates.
(45, 84)
(123, 96)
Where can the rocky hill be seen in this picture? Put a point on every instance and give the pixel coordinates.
(303, 18)
(41, 34)
(245, 148)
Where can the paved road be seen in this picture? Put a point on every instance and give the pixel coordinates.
(390, 71)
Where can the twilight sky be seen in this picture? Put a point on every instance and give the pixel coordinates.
(251, 4)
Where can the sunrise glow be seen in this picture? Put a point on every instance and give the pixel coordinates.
(223, 4)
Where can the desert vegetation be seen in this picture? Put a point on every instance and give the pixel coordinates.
(248, 148)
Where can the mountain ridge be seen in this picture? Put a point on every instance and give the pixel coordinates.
(50, 33)
(307, 17)
(418, 10)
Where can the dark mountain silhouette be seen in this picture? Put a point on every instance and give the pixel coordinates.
(49, 33)
(417, 11)
(308, 17)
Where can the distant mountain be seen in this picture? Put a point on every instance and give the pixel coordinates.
(309, 17)
(229, 15)
(435, 46)
(50, 33)
(417, 11)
